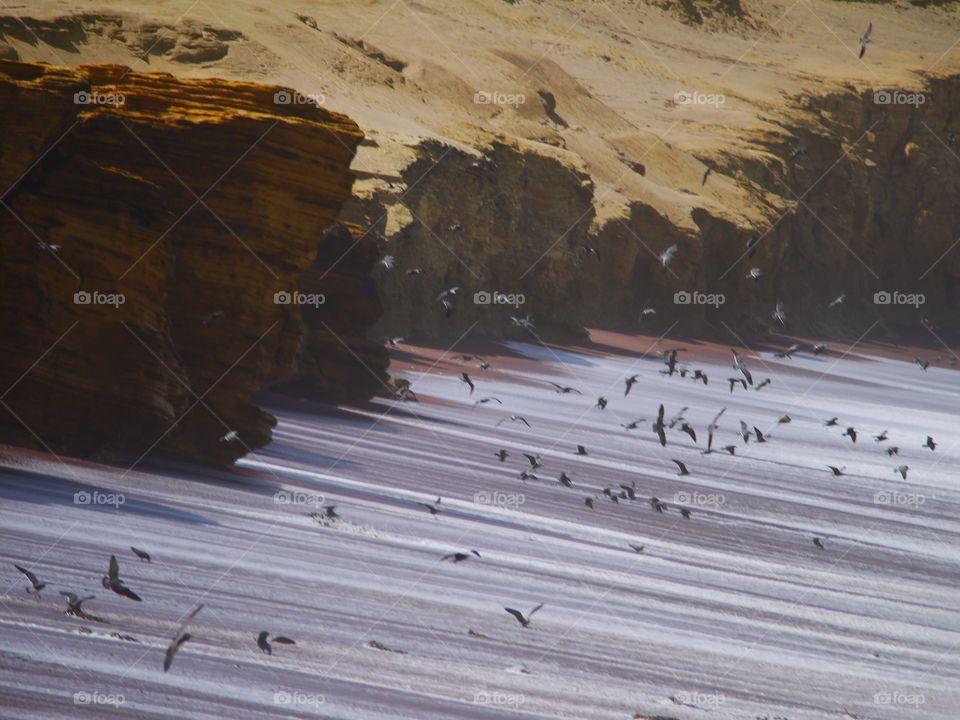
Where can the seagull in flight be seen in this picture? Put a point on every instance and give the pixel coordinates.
(930, 443)
(630, 383)
(865, 38)
(891, 451)
(818, 543)
(466, 378)
(564, 389)
(851, 433)
(762, 384)
(502, 454)
(831, 422)
(433, 508)
(142, 554)
(179, 638)
(739, 364)
(780, 314)
(601, 403)
(667, 256)
(514, 418)
(711, 429)
(524, 621)
(454, 556)
(75, 606)
(633, 425)
(902, 469)
(837, 301)
(263, 641)
(658, 428)
(581, 450)
(112, 581)
(881, 437)
(734, 381)
(681, 466)
(35, 585)
(483, 401)
(837, 471)
(534, 460)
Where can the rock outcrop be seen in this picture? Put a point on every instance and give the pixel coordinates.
(153, 236)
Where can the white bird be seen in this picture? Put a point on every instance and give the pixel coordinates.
(755, 273)
(837, 301)
(388, 261)
(712, 428)
(666, 257)
(865, 38)
(780, 314)
(739, 364)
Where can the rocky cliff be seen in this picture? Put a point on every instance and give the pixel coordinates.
(154, 236)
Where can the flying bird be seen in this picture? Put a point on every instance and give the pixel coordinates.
(865, 38)
(689, 431)
(388, 261)
(142, 554)
(658, 428)
(179, 638)
(752, 243)
(466, 378)
(700, 375)
(432, 508)
(514, 418)
(818, 543)
(524, 621)
(601, 403)
(35, 585)
(780, 314)
(213, 317)
(534, 460)
(734, 381)
(712, 428)
(755, 274)
(819, 348)
(762, 384)
(881, 437)
(454, 556)
(837, 471)
(784, 420)
(744, 432)
(930, 443)
(637, 548)
(484, 401)
(75, 606)
(112, 581)
(502, 454)
(924, 364)
(891, 451)
(581, 450)
(667, 256)
(263, 641)
(902, 469)
(836, 301)
(831, 422)
(739, 364)
(788, 353)
(629, 383)
(706, 174)
(588, 502)
(565, 480)
(587, 249)
(851, 433)
(759, 435)
(564, 389)
(681, 466)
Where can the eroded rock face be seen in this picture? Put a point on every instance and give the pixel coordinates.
(151, 223)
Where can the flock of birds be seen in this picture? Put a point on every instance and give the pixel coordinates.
(112, 581)
(663, 426)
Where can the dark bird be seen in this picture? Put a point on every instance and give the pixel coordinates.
(744, 432)
(527, 475)
(739, 364)
(712, 428)
(683, 468)
(179, 638)
(700, 375)
(798, 152)
(330, 512)
(581, 450)
(837, 301)
(670, 360)
(678, 417)
(264, 644)
(142, 554)
(394, 342)
(658, 428)
(689, 431)
(762, 384)
(415, 271)
(930, 443)
(818, 543)
(657, 504)
(893, 451)
(630, 381)
(564, 390)
(484, 401)
(732, 449)
(759, 435)
(831, 422)
(515, 418)
(466, 378)
(484, 365)
(112, 581)
(35, 585)
(851, 433)
(734, 381)
(565, 480)
(924, 364)
(601, 403)
(685, 513)
(784, 420)
(837, 471)
(630, 491)
(534, 460)
(633, 425)
(788, 353)
(588, 502)
(754, 274)
(780, 314)
(902, 469)
(213, 318)
(637, 548)
(864, 39)
(502, 454)
(524, 621)
(819, 348)
(881, 437)
(433, 508)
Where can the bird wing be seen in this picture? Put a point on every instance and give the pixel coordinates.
(661, 434)
(114, 571)
(73, 599)
(179, 638)
(126, 592)
(759, 434)
(866, 35)
(683, 468)
(523, 420)
(517, 614)
(530, 614)
(283, 640)
(679, 416)
(660, 416)
(30, 576)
